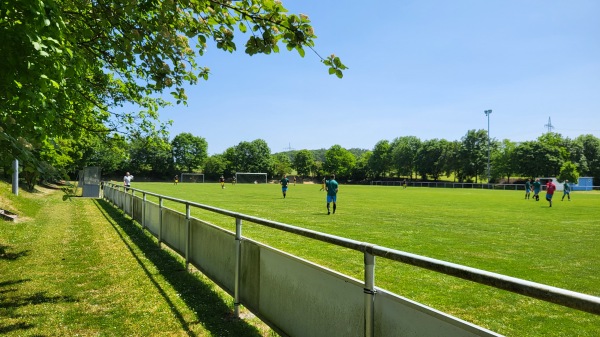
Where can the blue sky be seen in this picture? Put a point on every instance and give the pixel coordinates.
(416, 68)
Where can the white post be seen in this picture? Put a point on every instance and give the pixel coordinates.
(160, 221)
(187, 236)
(132, 204)
(238, 267)
(143, 210)
(369, 291)
(15, 182)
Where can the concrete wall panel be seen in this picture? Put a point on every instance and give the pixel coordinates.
(174, 230)
(398, 316)
(213, 251)
(304, 299)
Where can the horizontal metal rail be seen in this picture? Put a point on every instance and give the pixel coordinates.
(567, 298)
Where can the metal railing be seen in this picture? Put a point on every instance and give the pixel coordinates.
(563, 297)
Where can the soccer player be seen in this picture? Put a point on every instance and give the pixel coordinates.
(527, 188)
(322, 185)
(550, 188)
(233, 180)
(566, 191)
(332, 188)
(537, 186)
(284, 185)
(127, 181)
(222, 181)
(176, 180)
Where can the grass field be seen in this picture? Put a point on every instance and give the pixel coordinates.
(492, 230)
(81, 268)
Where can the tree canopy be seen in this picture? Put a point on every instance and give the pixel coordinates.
(100, 67)
(304, 162)
(189, 151)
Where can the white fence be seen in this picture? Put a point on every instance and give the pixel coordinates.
(296, 297)
(486, 186)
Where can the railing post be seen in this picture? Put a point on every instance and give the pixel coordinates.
(160, 221)
(143, 210)
(238, 266)
(187, 236)
(15, 177)
(132, 204)
(369, 291)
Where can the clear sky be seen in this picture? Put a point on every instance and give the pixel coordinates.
(424, 68)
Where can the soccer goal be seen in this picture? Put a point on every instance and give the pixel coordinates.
(192, 178)
(251, 178)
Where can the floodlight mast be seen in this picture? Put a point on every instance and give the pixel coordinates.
(487, 113)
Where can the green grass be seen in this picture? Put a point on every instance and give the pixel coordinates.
(497, 231)
(81, 268)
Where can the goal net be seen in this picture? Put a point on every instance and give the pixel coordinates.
(251, 178)
(192, 178)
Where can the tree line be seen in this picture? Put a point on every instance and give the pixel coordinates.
(405, 157)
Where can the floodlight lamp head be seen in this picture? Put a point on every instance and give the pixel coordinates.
(488, 112)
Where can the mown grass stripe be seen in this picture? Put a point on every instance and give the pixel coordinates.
(81, 268)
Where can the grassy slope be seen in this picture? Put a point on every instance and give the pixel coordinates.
(80, 268)
(497, 231)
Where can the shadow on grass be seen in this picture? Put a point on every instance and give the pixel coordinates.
(5, 255)
(5, 284)
(9, 303)
(15, 327)
(211, 311)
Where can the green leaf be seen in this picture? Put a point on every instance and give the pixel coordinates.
(337, 62)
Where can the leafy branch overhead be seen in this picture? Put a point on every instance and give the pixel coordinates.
(103, 66)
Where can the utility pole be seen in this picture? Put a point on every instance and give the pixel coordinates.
(487, 113)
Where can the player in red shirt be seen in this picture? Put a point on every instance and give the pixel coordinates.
(550, 188)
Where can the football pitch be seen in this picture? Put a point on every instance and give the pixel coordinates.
(493, 230)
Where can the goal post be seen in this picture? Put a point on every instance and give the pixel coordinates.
(192, 178)
(250, 178)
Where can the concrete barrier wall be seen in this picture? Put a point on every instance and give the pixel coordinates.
(398, 316)
(137, 208)
(174, 230)
(304, 299)
(294, 296)
(126, 202)
(152, 218)
(212, 250)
